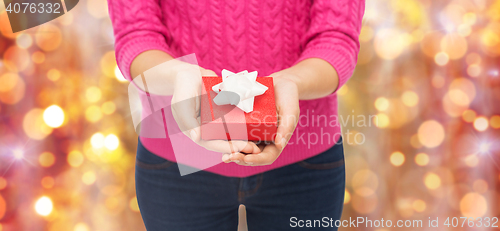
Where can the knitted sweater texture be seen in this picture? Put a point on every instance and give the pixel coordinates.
(254, 35)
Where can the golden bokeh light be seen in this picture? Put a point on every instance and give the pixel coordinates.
(473, 205)
(464, 85)
(454, 46)
(431, 133)
(93, 113)
(473, 58)
(108, 107)
(97, 140)
(397, 159)
(3, 183)
(111, 142)
(46, 159)
(405, 207)
(459, 97)
(422, 159)
(108, 64)
(381, 103)
(441, 58)
(469, 18)
(426, 79)
(489, 38)
(89, 177)
(414, 142)
(453, 13)
(471, 160)
(364, 205)
(116, 204)
(98, 9)
(3, 207)
(469, 116)
(438, 81)
(495, 121)
(49, 37)
(81, 227)
(381, 120)
(34, 125)
(430, 44)
(48, 182)
(67, 19)
(44, 206)
(410, 98)
(474, 70)
(5, 27)
(464, 30)
(133, 205)
(390, 43)
(93, 94)
(419, 205)
(8, 81)
(24, 41)
(364, 182)
(432, 181)
(481, 123)
(53, 116)
(14, 90)
(38, 57)
(119, 76)
(16, 59)
(366, 34)
(347, 196)
(343, 90)
(452, 109)
(75, 158)
(53, 74)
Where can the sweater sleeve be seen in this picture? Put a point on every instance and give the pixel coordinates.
(138, 27)
(333, 34)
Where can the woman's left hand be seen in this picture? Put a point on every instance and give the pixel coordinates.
(287, 105)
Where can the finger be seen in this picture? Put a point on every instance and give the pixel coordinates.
(184, 113)
(288, 116)
(226, 158)
(266, 157)
(237, 158)
(234, 157)
(206, 72)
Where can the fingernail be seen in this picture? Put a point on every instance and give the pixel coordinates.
(236, 161)
(249, 163)
(225, 157)
(192, 133)
(283, 142)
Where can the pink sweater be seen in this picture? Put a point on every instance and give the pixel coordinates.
(266, 36)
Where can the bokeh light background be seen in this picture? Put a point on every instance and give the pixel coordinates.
(428, 69)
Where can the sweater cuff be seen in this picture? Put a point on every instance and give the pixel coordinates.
(133, 48)
(342, 61)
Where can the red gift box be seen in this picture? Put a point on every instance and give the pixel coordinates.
(227, 122)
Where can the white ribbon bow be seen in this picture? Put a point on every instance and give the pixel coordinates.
(238, 89)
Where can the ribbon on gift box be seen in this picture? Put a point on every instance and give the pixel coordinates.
(238, 89)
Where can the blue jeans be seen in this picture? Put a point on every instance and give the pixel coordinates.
(307, 192)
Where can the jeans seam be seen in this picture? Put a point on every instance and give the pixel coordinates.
(242, 194)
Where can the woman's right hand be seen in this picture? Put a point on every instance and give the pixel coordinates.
(183, 81)
(186, 111)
